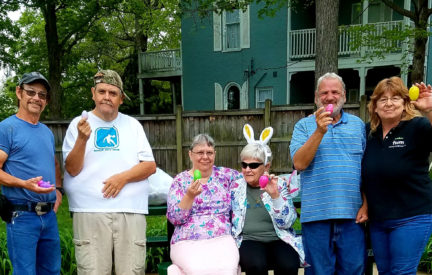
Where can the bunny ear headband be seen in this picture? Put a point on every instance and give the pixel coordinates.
(265, 137)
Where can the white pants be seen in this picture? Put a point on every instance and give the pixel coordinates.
(217, 256)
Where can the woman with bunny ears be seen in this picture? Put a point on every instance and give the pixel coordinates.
(262, 218)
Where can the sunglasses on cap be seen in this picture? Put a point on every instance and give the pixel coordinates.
(252, 165)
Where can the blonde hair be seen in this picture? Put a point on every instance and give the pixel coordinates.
(397, 87)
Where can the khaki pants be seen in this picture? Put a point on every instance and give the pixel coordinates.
(102, 239)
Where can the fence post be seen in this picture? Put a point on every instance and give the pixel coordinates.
(363, 109)
(267, 110)
(179, 138)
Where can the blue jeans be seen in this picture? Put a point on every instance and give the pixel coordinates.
(334, 247)
(398, 244)
(34, 244)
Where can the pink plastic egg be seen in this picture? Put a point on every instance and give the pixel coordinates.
(329, 108)
(263, 180)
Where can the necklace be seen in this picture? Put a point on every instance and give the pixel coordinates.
(255, 201)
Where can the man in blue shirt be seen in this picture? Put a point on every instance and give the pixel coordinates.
(27, 159)
(328, 148)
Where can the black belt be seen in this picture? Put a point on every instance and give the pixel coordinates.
(39, 207)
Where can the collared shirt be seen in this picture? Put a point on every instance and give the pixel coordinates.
(331, 182)
(395, 171)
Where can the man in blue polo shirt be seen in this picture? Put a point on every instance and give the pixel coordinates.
(328, 148)
(26, 158)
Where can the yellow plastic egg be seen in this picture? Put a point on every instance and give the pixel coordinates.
(414, 92)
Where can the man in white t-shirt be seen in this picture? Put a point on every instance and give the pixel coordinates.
(107, 162)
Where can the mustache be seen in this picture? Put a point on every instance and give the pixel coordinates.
(34, 102)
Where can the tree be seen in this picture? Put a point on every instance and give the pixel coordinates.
(419, 14)
(327, 34)
(66, 23)
(8, 33)
(69, 42)
(8, 103)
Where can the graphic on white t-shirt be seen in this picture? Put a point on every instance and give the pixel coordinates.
(106, 138)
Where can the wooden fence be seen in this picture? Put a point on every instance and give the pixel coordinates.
(171, 135)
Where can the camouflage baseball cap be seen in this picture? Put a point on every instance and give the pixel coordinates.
(109, 77)
(28, 78)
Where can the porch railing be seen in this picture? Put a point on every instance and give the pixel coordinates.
(302, 42)
(161, 61)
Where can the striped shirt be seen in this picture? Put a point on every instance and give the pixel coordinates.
(331, 182)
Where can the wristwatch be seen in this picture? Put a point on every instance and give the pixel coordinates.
(61, 190)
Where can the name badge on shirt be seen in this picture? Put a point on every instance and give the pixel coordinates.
(398, 142)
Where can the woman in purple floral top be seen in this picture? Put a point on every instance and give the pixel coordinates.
(200, 211)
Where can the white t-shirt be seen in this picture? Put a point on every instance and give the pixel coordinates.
(113, 147)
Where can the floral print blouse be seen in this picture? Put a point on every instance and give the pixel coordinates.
(281, 210)
(209, 216)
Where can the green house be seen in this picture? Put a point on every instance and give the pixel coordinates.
(236, 60)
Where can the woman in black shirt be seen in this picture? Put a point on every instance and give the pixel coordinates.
(395, 176)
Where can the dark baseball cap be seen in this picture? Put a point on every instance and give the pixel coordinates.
(110, 77)
(28, 78)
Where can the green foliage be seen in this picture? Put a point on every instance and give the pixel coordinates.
(5, 264)
(377, 42)
(68, 263)
(267, 7)
(156, 226)
(8, 103)
(426, 259)
(92, 35)
(9, 32)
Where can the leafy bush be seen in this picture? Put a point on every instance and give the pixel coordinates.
(5, 264)
(426, 259)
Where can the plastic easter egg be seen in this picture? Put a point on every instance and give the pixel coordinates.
(84, 114)
(329, 108)
(263, 180)
(414, 92)
(44, 184)
(197, 175)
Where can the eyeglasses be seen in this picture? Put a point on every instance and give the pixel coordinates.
(202, 153)
(393, 99)
(252, 165)
(32, 93)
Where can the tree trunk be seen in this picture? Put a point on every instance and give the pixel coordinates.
(55, 54)
(327, 34)
(420, 41)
